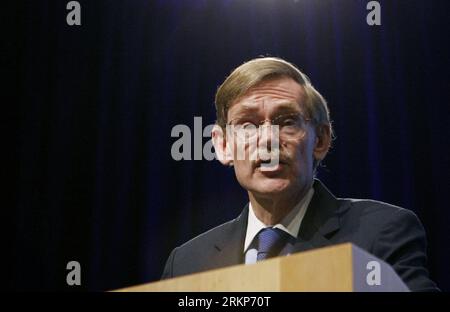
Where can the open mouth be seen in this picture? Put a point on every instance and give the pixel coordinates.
(269, 161)
(270, 165)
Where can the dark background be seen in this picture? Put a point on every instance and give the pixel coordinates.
(92, 177)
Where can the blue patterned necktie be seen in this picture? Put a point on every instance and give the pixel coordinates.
(270, 242)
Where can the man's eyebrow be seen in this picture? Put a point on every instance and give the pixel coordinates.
(246, 108)
(288, 107)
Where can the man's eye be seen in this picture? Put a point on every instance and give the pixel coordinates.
(248, 125)
(289, 122)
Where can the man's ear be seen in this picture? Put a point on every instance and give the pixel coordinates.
(223, 152)
(323, 142)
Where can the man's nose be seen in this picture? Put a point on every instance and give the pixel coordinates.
(267, 135)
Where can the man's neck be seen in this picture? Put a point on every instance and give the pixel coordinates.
(272, 210)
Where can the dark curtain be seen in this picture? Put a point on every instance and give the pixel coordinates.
(93, 176)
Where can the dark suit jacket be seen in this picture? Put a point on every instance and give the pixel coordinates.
(390, 233)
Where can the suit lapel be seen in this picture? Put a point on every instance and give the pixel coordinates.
(229, 248)
(321, 220)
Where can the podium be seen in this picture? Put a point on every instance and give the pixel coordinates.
(338, 268)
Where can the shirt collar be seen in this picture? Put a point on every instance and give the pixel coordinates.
(290, 223)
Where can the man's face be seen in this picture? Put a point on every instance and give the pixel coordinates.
(266, 101)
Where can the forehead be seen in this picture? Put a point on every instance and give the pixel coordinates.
(282, 93)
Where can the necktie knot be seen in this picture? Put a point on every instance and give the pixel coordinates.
(270, 242)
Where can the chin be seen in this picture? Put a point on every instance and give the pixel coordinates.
(271, 186)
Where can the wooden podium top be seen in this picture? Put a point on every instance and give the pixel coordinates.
(343, 267)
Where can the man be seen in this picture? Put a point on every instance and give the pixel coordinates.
(289, 210)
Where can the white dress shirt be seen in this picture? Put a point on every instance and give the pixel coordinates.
(290, 224)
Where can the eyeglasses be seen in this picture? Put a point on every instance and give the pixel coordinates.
(290, 126)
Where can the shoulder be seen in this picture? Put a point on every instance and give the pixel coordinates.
(396, 236)
(367, 221)
(201, 252)
(215, 234)
(356, 215)
(389, 221)
(374, 210)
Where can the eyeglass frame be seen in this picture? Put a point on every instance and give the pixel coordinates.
(271, 120)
